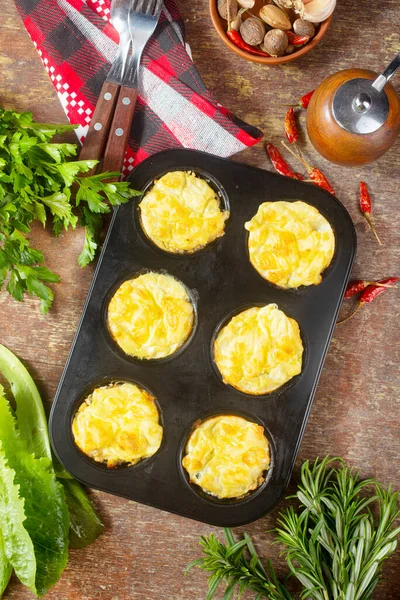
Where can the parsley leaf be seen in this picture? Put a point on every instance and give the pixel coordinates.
(39, 180)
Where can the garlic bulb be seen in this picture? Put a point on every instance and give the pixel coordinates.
(317, 11)
(246, 3)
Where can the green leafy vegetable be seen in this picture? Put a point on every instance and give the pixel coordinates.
(17, 544)
(38, 180)
(47, 520)
(5, 567)
(32, 422)
(30, 479)
(333, 543)
(85, 525)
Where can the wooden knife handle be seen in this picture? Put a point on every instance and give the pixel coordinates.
(93, 146)
(120, 129)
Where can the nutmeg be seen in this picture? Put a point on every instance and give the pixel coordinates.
(222, 9)
(276, 42)
(252, 31)
(275, 17)
(302, 27)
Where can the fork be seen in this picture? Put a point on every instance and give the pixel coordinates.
(143, 18)
(99, 127)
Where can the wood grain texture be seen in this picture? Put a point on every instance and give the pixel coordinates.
(100, 124)
(119, 130)
(355, 414)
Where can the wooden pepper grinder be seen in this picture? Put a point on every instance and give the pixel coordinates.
(354, 116)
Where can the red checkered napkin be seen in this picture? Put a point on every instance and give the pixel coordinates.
(77, 43)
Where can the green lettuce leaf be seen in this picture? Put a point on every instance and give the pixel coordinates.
(85, 525)
(47, 519)
(32, 422)
(16, 544)
(5, 567)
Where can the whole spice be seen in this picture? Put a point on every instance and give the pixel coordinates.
(237, 39)
(276, 42)
(302, 27)
(333, 542)
(305, 100)
(279, 163)
(252, 31)
(247, 4)
(227, 6)
(370, 293)
(365, 206)
(290, 49)
(292, 133)
(357, 286)
(237, 21)
(297, 40)
(315, 174)
(275, 17)
(317, 11)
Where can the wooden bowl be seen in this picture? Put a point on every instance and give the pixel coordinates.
(221, 25)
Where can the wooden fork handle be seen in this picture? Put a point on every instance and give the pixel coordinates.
(93, 146)
(120, 129)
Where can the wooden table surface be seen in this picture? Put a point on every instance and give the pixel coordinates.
(143, 551)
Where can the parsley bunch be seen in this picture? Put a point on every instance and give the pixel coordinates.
(37, 181)
(335, 541)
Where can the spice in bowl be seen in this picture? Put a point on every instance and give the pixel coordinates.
(273, 29)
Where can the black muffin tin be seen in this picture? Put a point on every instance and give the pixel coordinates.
(188, 386)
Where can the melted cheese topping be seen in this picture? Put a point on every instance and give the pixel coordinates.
(290, 243)
(118, 424)
(227, 456)
(181, 213)
(259, 350)
(150, 316)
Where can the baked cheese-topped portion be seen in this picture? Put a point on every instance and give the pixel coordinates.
(227, 456)
(118, 424)
(182, 213)
(150, 316)
(290, 243)
(259, 350)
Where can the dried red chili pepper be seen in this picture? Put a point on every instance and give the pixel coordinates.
(366, 205)
(305, 100)
(358, 285)
(370, 293)
(292, 133)
(315, 174)
(297, 40)
(281, 166)
(237, 39)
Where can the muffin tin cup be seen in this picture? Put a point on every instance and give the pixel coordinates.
(102, 467)
(187, 385)
(278, 391)
(193, 297)
(209, 497)
(212, 182)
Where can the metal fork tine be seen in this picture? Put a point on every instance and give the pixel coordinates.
(150, 7)
(159, 6)
(137, 5)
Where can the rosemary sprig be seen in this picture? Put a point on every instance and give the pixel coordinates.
(229, 563)
(333, 543)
